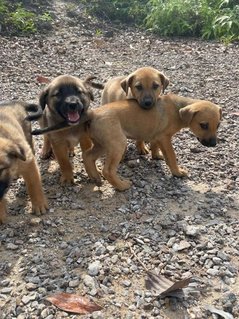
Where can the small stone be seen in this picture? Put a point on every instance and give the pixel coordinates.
(27, 298)
(216, 260)
(171, 241)
(11, 246)
(192, 230)
(74, 283)
(35, 221)
(6, 290)
(212, 272)
(94, 268)
(31, 286)
(181, 246)
(114, 259)
(223, 256)
(126, 283)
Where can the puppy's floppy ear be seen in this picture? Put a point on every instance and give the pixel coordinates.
(126, 83)
(43, 98)
(89, 84)
(164, 80)
(187, 113)
(17, 152)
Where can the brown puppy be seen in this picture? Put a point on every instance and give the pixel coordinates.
(145, 85)
(65, 100)
(113, 123)
(17, 155)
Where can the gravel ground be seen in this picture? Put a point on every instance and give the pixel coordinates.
(94, 240)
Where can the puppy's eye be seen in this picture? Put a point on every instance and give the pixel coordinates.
(139, 87)
(204, 126)
(155, 86)
(56, 94)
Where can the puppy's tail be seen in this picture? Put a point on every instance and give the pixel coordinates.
(36, 111)
(95, 85)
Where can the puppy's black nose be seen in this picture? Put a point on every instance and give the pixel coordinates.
(72, 102)
(72, 106)
(147, 102)
(211, 142)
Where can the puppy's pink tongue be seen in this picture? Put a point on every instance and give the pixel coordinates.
(73, 116)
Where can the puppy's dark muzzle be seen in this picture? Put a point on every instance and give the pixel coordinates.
(3, 188)
(211, 142)
(73, 109)
(147, 103)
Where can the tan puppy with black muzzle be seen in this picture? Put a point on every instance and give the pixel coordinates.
(17, 155)
(111, 125)
(145, 85)
(65, 101)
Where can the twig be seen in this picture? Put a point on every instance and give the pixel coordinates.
(137, 258)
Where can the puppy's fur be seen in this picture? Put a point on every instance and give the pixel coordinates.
(113, 123)
(65, 100)
(145, 85)
(17, 155)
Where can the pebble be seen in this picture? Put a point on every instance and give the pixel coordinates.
(94, 268)
(192, 230)
(212, 272)
(181, 246)
(74, 283)
(12, 246)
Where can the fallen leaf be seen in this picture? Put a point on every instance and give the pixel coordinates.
(42, 79)
(222, 313)
(73, 303)
(165, 287)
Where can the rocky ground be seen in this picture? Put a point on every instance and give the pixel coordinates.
(94, 240)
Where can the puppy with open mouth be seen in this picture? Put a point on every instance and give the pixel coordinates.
(65, 100)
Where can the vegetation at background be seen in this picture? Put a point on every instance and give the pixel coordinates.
(15, 18)
(208, 19)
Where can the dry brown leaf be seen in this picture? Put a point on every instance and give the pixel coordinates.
(42, 79)
(165, 287)
(73, 303)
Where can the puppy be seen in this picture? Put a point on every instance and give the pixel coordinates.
(17, 155)
(145, 85)
(65, 101)
(113, 123)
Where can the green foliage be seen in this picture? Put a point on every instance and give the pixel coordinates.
(133, 11)
(208, 19)
(15, 18)
(23, 20)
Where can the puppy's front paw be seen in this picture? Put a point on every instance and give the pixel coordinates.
(181, 172)
(3, 216)
(124, 185)
(40, 207)
(66, 180)
(157, 156)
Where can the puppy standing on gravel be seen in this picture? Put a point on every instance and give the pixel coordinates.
(17, 155)
(145, 85)
(65, 100)
(111, 125)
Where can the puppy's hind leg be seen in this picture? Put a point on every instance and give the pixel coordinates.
(89, 158)
(141, 147)
(113, 157)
